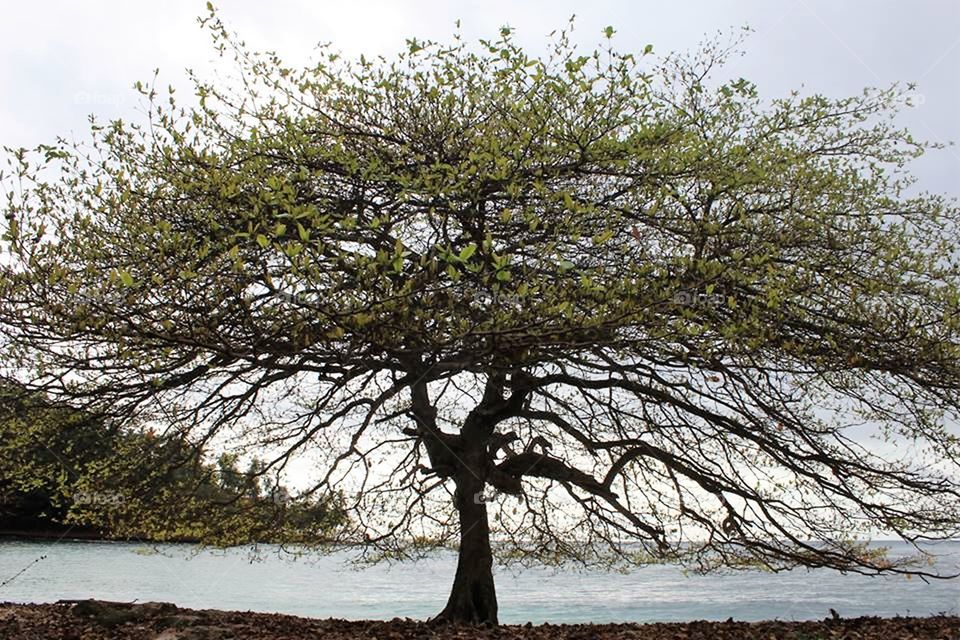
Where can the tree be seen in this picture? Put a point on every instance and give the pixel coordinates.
(602, 305)
(70, 472)
(35, 441)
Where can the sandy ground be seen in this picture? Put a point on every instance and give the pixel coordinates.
(86, 621)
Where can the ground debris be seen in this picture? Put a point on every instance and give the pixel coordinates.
(99, 620)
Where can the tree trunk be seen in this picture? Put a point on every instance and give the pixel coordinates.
(473, 598)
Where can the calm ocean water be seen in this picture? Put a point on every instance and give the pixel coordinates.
(327, 587)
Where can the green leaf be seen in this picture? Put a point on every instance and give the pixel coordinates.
(262, 240)
(303, 233)
(600, 238)
(126, 278)
(656, 207)
(468, 251)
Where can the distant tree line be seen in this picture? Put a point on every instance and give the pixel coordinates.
(71, 473)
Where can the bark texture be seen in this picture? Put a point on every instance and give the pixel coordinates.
(473, 598)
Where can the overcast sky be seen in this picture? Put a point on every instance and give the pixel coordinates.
(63, 59)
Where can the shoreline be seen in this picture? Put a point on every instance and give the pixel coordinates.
(77, 535)
(43, 535)
(97, 620)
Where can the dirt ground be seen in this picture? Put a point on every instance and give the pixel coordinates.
(91, 620)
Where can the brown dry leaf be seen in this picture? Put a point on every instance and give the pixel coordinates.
(48, 621)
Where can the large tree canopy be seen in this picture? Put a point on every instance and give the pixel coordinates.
(592, 306)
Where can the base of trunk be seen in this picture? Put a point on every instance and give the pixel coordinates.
(474, 602)
(473, 598)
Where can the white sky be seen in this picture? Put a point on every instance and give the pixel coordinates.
(62, 60)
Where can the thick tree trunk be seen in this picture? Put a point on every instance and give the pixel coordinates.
(473, 599)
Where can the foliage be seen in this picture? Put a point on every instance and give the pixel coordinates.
(67, 470)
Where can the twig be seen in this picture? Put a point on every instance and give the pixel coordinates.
(21, 572)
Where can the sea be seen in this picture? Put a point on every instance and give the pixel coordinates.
(332, 586)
